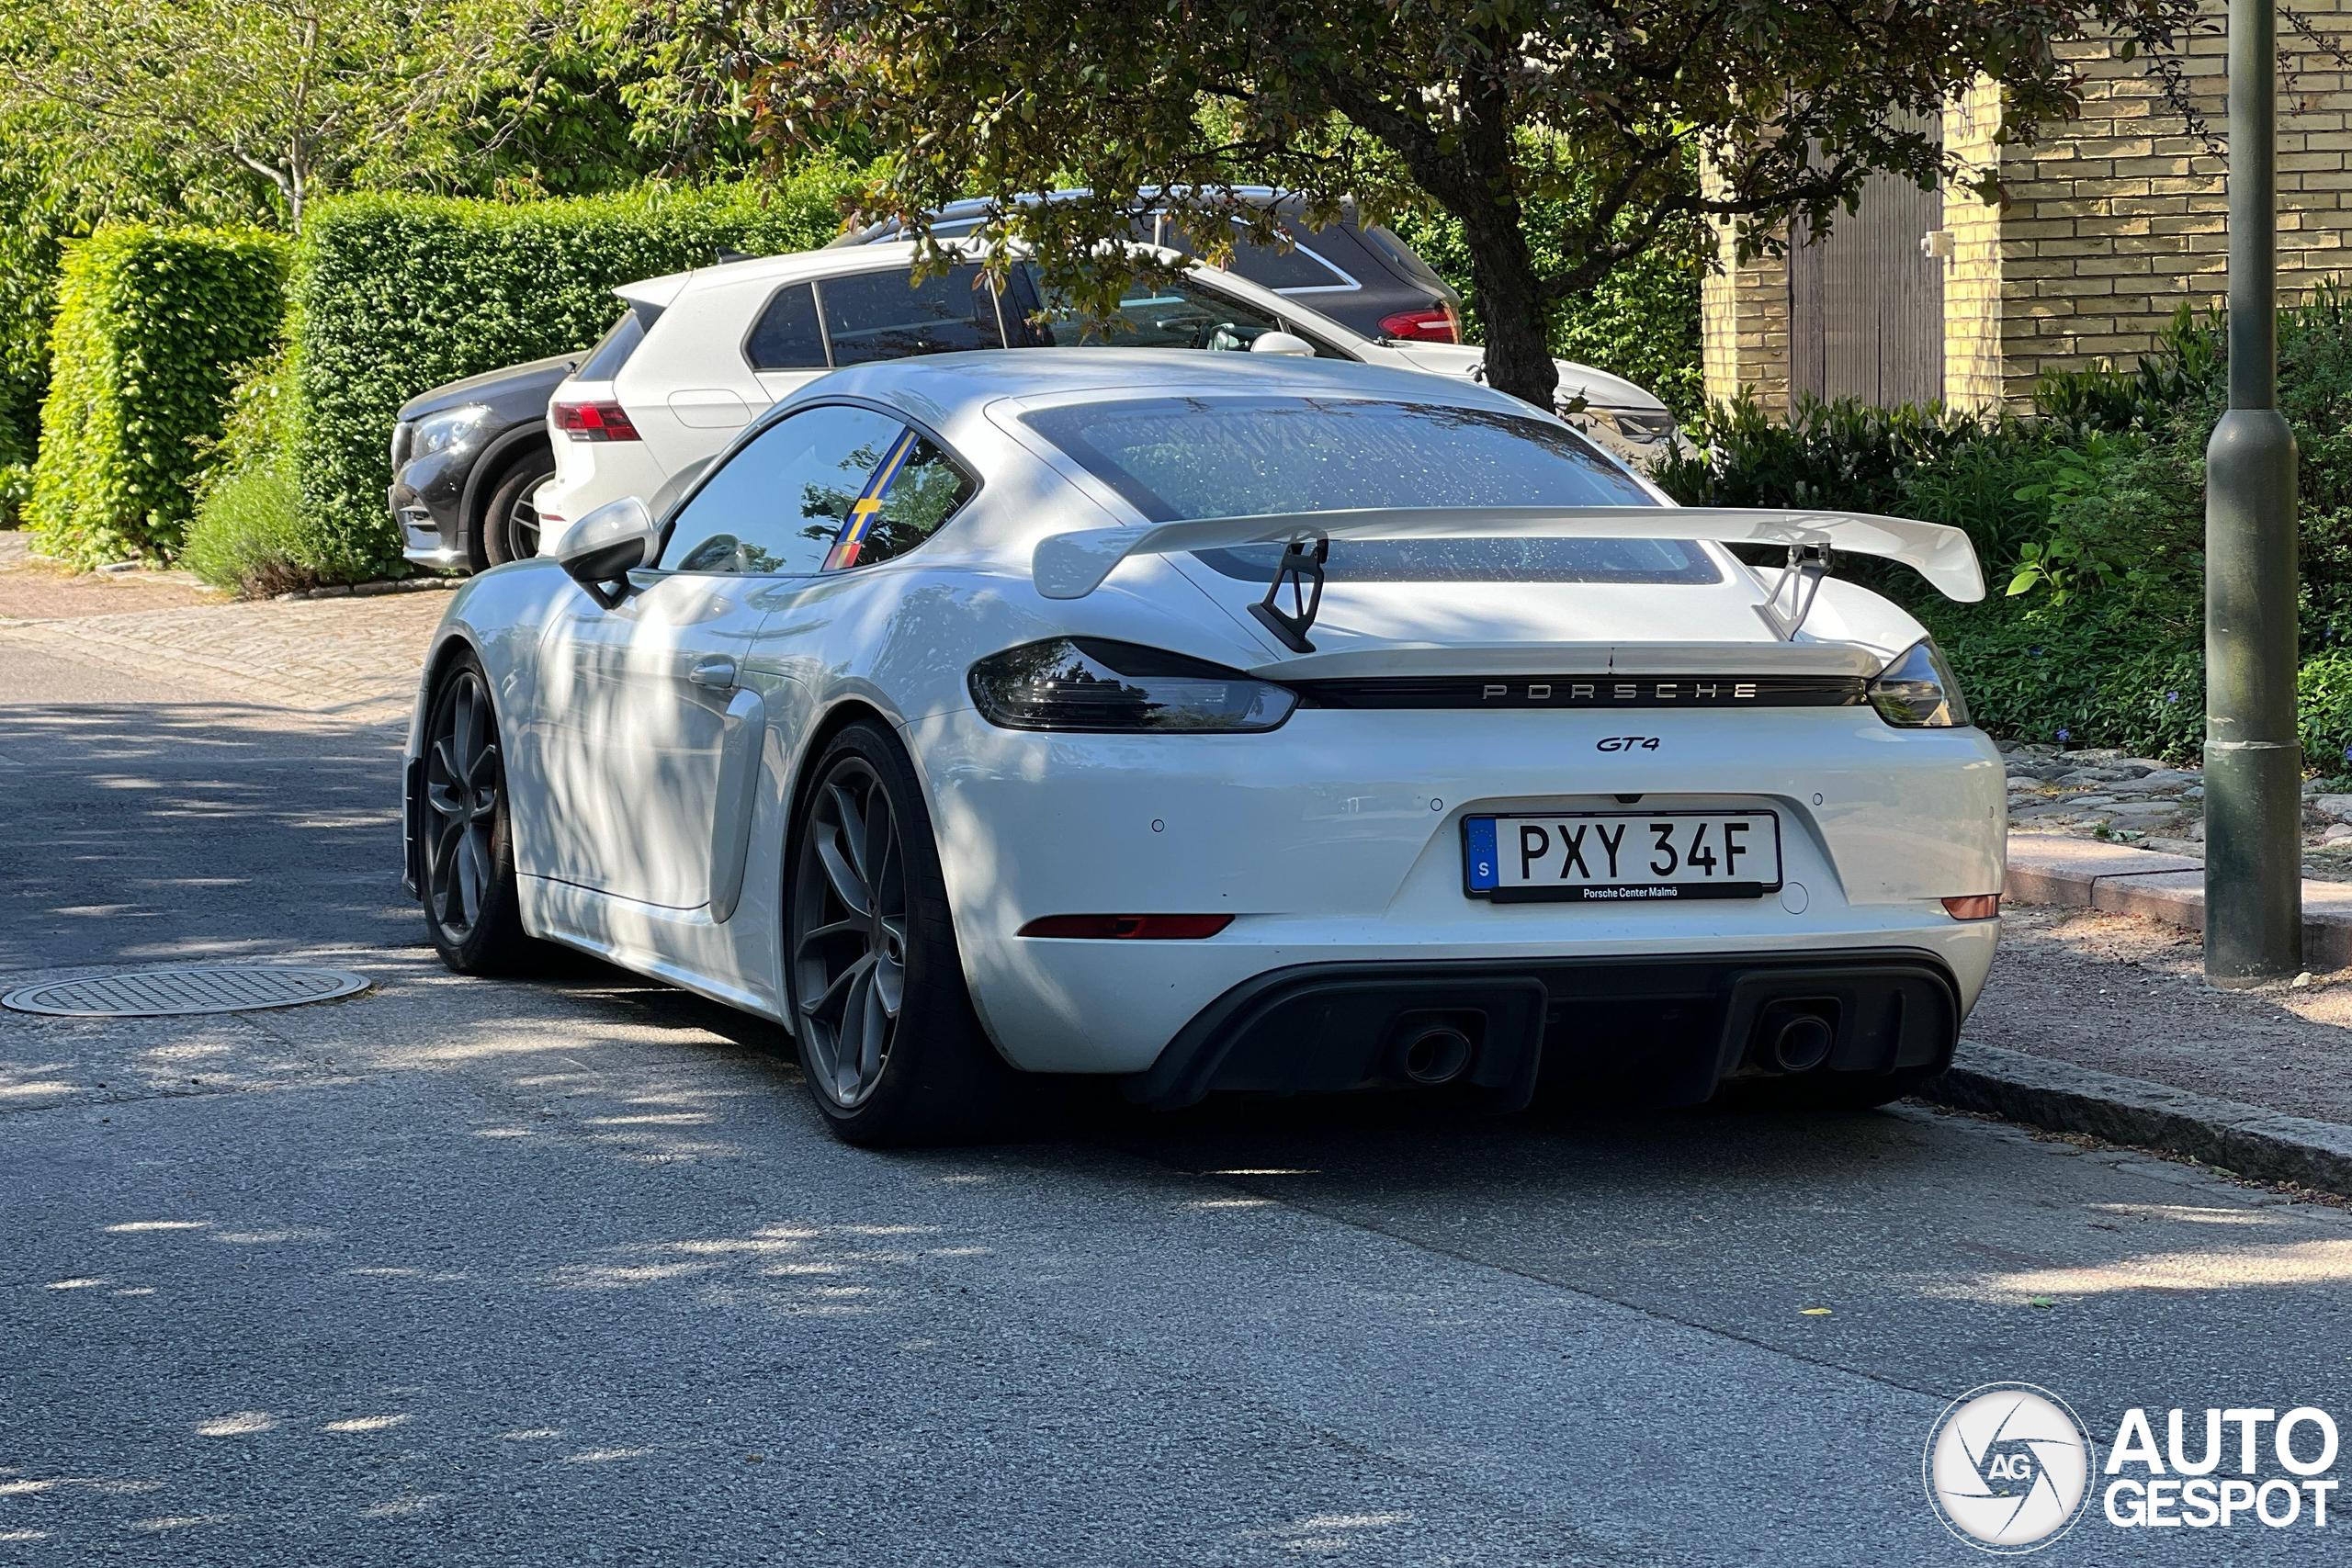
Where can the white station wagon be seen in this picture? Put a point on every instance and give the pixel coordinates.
(698, 354)
(1219, 723)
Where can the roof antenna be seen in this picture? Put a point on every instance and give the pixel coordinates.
(728, 256)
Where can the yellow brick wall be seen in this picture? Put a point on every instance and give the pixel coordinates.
(1973, 374)
(1744, 324)
(2108, 224)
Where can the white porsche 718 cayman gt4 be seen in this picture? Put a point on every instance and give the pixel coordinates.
(1219, 723)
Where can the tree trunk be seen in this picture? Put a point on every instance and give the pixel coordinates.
(1502, 268)
(1511, 305)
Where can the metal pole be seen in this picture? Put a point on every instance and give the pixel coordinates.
(2254, 766)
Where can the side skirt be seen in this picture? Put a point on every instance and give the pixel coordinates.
(636, 937)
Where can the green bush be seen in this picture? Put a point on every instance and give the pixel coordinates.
(248, 535)
(394, 295)
(2089, 518)
(149, 324)
(16, 491)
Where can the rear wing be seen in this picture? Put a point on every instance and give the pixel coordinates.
(1071, 565)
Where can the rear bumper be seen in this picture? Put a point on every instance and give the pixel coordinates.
(1674, 1026)
(1338, 840)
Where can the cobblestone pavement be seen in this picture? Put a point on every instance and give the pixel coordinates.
(2102, 794)
(351, 658)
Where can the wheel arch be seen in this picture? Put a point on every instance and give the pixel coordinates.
(497, 460)
(843, 713)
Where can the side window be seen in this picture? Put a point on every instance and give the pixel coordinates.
(1173, 315)
(786, 336)
(1268, 267)
(887, 315)
(912, 491)
(774, 509)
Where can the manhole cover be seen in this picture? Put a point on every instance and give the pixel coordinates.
(172, 993)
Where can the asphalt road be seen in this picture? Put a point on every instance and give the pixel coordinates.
(568, 1271)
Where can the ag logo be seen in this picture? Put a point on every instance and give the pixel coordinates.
(2008, 1468)
(1627, 743)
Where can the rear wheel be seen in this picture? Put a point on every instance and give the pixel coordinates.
(890, 1045)
(471, 909)
(510, 524)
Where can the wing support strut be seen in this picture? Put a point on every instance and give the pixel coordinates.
(1799, 585)
(1302, 569)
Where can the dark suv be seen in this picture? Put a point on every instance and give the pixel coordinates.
(1360, 274)
(467, 458)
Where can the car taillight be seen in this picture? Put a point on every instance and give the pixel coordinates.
(595, 421)
(1149, 928)
(1973, 907)
(1423, 326)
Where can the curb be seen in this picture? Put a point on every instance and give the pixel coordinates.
(370, 590)
(2242, 1139)
(2049, 868)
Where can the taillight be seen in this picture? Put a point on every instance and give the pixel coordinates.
(1423, 326)
(595, 421)
(1147, 927)
(1973, 907)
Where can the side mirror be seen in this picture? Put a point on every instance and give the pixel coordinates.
(1281, 343)
(600, 550)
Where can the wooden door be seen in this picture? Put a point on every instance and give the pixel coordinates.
(1866, 309)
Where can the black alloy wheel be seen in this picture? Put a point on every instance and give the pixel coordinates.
(890, 1045)
(850, 951)
(471, 904)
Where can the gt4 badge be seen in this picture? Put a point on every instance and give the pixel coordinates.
(1627, 743)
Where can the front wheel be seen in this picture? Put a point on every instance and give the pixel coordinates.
(471, 909)
(891, 1047)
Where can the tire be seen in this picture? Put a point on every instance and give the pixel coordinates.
(867, 916)
(471, 909)
(510, 523)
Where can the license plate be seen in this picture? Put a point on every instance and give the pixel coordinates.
(1639, 856)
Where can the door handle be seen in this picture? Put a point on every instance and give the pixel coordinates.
(718, 673)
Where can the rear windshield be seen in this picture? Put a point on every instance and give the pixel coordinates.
(612, 351)
(1174, 458)
(1484, 560)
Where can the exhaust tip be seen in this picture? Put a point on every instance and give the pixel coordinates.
(1436, 1054)
(1802, 1043)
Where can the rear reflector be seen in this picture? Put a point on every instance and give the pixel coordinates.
(1163, 927)
(1973, 907)
(595, 421)
(1422, 326)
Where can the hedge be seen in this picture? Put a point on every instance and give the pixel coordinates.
(150, 323)
(394, 295)
(2105, 482)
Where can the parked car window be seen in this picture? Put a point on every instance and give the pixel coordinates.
(786, 337)
(1174, 458)
(775, 507)
(887, 315)
(1181, 314)
(1386, 240)
(910, 496)
(1294, 267)
(611, 350)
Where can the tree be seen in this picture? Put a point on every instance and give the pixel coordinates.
(1478, 108)
(302, 93)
